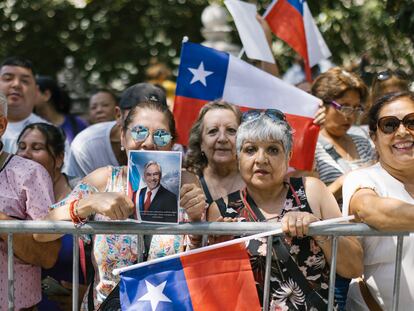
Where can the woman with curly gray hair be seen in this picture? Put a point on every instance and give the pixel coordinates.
(212, 150)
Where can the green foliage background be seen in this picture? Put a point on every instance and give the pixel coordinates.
(115, 39)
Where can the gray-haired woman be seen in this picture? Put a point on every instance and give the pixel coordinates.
(264, 144)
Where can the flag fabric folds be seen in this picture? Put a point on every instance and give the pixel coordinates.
(292, 21)
(206, 74)
(216, 279)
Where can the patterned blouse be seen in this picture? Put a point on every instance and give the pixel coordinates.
(285, 293)
(111, 251)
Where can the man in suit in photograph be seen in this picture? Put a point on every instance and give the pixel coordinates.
(156, 203)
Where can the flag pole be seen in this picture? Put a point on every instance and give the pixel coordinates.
(231, 242)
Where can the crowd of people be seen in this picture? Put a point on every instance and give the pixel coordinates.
(56, 166)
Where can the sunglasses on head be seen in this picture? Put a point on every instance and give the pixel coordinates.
(390, 124)
(387, 74)
(346, 110)
(161, 137)
(273, 114)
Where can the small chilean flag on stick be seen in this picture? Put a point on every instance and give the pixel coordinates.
(206, 74)
(220, 278)
(291, 21)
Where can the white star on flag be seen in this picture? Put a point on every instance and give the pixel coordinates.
(200, 74)
(155, 295)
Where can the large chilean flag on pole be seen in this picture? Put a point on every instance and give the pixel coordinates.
(206, 74)
(208, 279)
(292, 21)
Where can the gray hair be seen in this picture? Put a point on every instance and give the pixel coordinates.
(3, 104)
(265, 129)
(149, 163)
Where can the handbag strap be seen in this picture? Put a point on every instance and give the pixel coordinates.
(283, 255)
(370, 301)
(330, 149)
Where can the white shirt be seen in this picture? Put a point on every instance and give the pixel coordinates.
(14, 129)
(379, 252)
(92, 149)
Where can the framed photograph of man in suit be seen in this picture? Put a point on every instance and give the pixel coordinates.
(154, 179)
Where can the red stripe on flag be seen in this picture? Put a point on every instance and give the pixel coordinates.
(221, 279)
(287, 24)
(304, 141)
(306, 133)
(185, 113)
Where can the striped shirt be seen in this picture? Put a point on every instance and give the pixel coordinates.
(329, 170)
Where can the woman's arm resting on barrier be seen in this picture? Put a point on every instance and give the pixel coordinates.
(385, 214)
(215, 215)
(336, 187)
(350, 255)
(114, 205)
(31, 251)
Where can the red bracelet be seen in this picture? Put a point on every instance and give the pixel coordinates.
(74, 215)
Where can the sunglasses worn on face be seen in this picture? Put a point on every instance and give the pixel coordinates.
(346, 110)
(389, 125)
(160, 137)
(273, 114)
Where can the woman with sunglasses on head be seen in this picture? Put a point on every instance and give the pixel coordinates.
(382, 196)
(149, 126)
(338, 152)
(264, 147)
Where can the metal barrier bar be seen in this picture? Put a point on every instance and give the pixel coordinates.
(10, 271)
(266, 289)
(397, 274)
(75, 275)
(243, 228)
(332, 273)
(218, 228)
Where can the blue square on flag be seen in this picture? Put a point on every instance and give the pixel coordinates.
(160, 287)
(202, 72)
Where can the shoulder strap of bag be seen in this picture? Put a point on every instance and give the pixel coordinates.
(370, 301)
(330, 149)
(284, 256)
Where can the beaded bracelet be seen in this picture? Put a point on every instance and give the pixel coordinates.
(74, 216)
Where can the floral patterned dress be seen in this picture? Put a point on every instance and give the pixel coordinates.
(285, 293)
(111, 251)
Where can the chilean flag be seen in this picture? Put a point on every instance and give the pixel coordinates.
(212, 280)
(206, 74)
(291, 21)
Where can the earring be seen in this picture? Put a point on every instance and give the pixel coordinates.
(122, 148)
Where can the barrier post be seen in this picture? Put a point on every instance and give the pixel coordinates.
(10, 278)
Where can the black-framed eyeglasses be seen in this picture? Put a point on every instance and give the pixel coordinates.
(387, 74)
(346, 110)
(273, 114)
(390, 124)
(161, 137)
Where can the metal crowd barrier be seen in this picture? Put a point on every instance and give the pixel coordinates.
(243, 228)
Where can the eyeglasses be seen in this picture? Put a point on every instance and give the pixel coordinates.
(386, 74)
(390, 124)
(273, 114)
(160, 137)
(346, 110)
